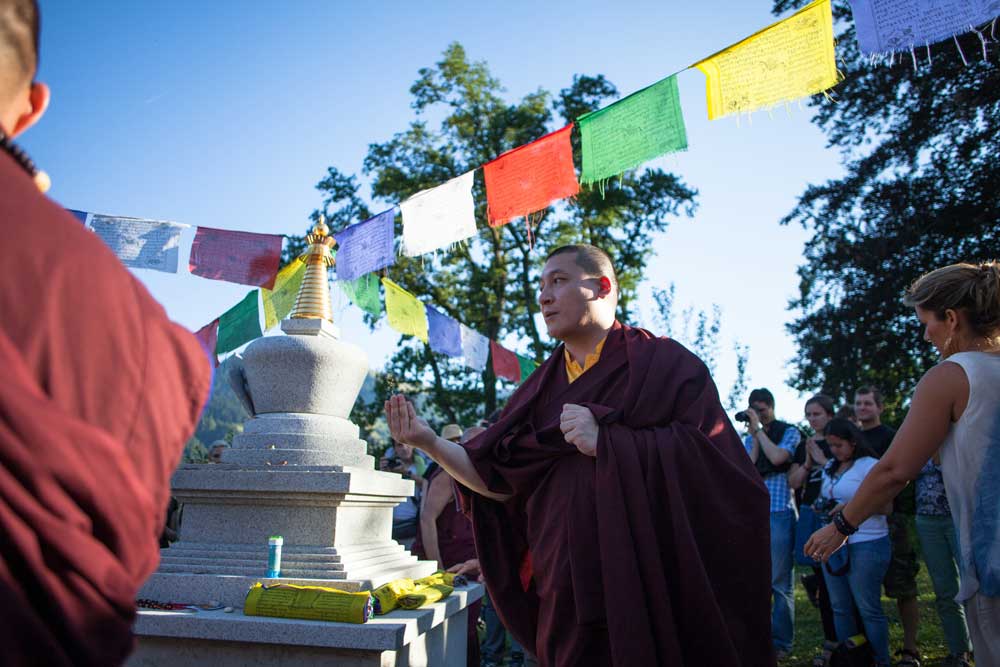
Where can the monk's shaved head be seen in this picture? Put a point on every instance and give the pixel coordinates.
(19, 27)
(591, 259)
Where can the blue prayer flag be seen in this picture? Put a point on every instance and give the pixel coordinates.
(445, 333)
(366, 246)
(79, 215)
(900, 25)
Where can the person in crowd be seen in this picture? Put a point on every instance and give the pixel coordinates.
(955, 409)
(613, 493)
(216, 450)
(402, 459)
(446, 532)
(857, 580)
(806, 478)
(100, 393)
(771, 444)
(901, 579)
(939, 546)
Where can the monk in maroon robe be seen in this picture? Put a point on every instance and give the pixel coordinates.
(617, 519)
(99, 393)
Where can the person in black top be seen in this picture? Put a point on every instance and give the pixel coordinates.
(806, 477)
(901, 579)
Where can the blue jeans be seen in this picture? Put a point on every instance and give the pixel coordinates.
(940, 549)
(862, 586)
(782, 583)
(495, 641)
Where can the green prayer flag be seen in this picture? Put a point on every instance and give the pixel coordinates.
(240, 324)
(364, 293)
(528, 366)
(645, 125)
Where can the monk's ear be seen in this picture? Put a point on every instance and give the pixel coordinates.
(38, 102)
(605, 287)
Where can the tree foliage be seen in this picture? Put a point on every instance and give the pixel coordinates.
(918, 140)
(489, 284)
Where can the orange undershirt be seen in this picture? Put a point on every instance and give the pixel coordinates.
(574, 370)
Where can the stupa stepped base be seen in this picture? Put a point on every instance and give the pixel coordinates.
(433, 636)
(293, 438)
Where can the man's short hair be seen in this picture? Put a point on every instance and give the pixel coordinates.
(874, 391)
(761, 395)
(591, 259)
(19, 28)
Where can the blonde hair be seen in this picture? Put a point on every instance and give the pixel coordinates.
(972, 288)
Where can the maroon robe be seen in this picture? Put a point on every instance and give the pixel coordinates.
(100, 392)
(456, 545)
(653, 553)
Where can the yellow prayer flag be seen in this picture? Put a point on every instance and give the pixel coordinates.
(279, 301)
(788, 60)
(406, 314)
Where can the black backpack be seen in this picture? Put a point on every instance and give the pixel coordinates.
(775, 431)
(853, 652)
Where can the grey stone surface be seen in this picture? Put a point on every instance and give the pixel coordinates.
(315, 374)
(310, 327)
(389, 632)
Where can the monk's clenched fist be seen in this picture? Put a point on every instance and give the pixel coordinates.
(579, 427)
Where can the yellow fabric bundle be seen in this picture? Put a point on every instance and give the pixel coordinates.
(425, 595)
(314, 603)
(388, 594)
(416, 593)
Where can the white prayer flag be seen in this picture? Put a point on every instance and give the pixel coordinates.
(141, 244)
(439, 217)
(475, 348)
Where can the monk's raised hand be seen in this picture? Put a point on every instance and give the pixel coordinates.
(404, 424)
(579, 428)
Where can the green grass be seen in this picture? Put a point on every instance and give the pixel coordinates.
(809, 629)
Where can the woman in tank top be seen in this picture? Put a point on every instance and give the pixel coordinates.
(955, 409)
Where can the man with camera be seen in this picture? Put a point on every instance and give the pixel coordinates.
(771, 443)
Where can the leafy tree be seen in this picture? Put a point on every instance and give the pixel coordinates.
(489, 284)
(918, 141)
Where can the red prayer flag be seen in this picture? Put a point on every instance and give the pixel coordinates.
(530, 177)
(236, 257)
(505, 364)
(207, 336)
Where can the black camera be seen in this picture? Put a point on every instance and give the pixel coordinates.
(823, 506)
(742, 416)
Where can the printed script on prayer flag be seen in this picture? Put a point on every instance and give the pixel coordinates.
(239, 325)
(633, 130)
(475, 348)
(445, 334)
(791, 59)
(406, 314)
(236, 257)
(887, 26)
(366, 246)
(439, 217)
(505, 363)
(207, 336)
(280, 301)
(141, 244)
(363, 293)
(527, 365)
(530, 177)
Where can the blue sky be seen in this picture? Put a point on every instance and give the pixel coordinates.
(226, 114)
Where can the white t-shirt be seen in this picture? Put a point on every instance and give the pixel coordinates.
(843, 488)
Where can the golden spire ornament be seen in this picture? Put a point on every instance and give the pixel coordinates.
(313, 299)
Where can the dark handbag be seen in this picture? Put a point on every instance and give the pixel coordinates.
(853, 652)
(807, 524)
(839, 562)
